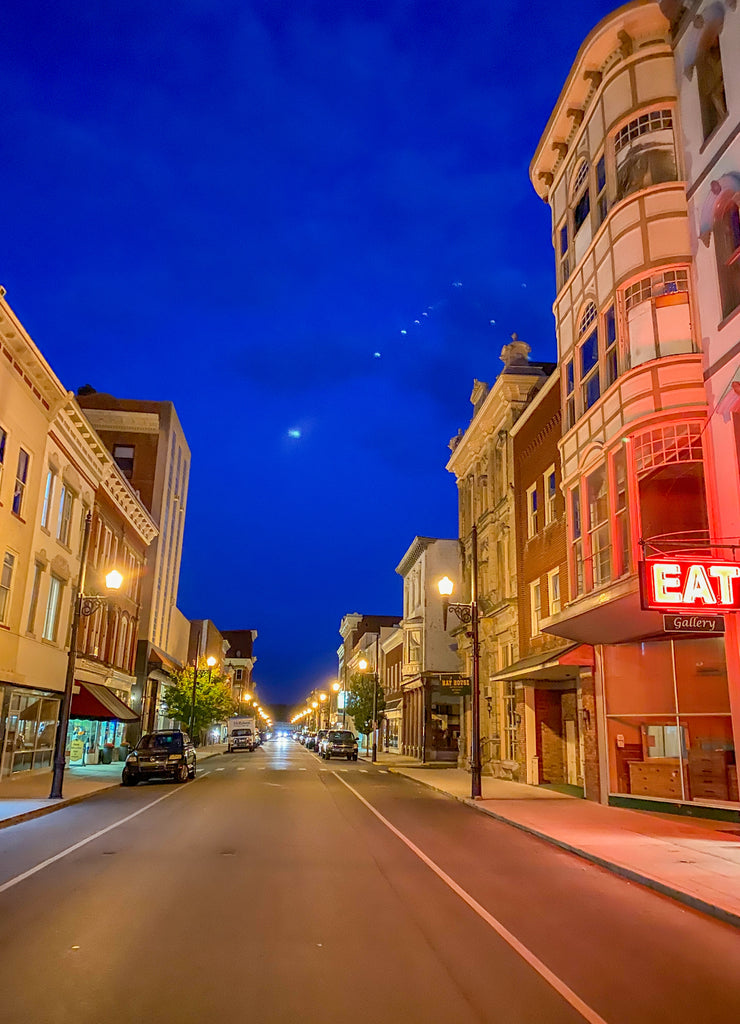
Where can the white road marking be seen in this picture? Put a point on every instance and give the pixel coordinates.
(241, 769)
(83, 842)
(363, 771)
(306, 769)
(220, 769)
(527, 955)
(384, 771)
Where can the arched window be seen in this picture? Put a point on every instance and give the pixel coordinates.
(727, 251)
(580, 196)
(588, 356)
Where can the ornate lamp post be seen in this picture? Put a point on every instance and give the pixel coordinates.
(468, 615)
(82, 606)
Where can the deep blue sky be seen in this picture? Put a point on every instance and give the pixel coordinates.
(235, 206)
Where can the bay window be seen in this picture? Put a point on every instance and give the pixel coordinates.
(645, 152)
(658, 316)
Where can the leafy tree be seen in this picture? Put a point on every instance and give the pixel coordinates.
(359, 700)
(213, 699)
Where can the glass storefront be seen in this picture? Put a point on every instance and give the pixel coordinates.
(93, 742)
(669, 729)
(29, 728)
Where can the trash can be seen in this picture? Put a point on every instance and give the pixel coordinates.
(106, 754)
(123, 751)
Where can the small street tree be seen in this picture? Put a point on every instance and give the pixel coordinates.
(213, 699)
(359, 700)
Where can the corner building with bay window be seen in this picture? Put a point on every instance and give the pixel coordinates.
(634, 412)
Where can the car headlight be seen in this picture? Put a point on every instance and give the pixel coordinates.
(133, 756)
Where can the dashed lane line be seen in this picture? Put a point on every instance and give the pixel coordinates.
(511, 940)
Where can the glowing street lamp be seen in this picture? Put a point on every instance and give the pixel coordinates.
(82, 606)
(363, 664)
(468, 615)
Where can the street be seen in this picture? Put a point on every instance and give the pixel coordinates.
(279, 887)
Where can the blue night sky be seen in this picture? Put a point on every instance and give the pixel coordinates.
(310, 225)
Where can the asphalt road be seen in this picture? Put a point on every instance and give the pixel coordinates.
(281, 888)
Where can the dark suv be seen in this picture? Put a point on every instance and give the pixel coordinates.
(166, 754)
(339, 743)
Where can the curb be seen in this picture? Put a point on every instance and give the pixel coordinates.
(695, 902)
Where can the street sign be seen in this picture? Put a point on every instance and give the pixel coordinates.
(456, 686)
(683, 623)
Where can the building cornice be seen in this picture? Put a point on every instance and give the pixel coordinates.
(413, 554)
(24, 355)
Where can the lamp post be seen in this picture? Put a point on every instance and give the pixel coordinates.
(468, 615)
(363, 664)
(82, 606)
(335, 688)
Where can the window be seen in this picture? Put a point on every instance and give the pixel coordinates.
(601, 200)
(570, 396)
(413, 639)
(510, 720)
(577, 576)
(589, 359)
(645, 152)
(21, 477)
(610, 345)
(711, 83)
(532, 524)
(37, 574)
(6, 582)
(727, 252)
(669, 468)
(598, 526)
(658, 316)
(239, 673)
(621, 514)
(3, 443)
(123, 455)
(535, 607)
(550, 495)
(553, 591)
(53, 603)
(48, 497)
(581, 197)
(563, 255)
(66, 500)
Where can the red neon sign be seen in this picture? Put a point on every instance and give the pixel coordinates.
(690, 583)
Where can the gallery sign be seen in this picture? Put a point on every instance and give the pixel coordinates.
(690, 584)
(680, 622)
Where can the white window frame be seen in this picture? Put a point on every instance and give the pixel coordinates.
(19, 491)
(554, 603)
(7, 576)
(53, 609)
(535, 607)
(550, 498)
(48, 497)
(532, 511)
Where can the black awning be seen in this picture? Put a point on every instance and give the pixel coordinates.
(99, 704)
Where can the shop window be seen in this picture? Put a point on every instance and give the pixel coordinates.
(711, 83)
(658, 316)
(550, 495)
(6, 584)
(48, 497)
(21, 476)
(598, 526)
(577, 574)
(30, 729)
(532, 511)
(553, 591)
(727, 252)
(601, 199)
(570, 396)
(611, 359)
(670, 478)
(645, 153)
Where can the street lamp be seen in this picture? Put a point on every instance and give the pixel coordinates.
(468, 615)
(82, 606)
(363, 664)
(335, 688)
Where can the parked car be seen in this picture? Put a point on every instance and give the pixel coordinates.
(319, 739)
(310, 743)
(339, 743)
(168, 753)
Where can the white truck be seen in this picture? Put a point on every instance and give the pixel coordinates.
(241, 733)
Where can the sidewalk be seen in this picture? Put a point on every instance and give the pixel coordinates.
(695, 861)
(26, 795)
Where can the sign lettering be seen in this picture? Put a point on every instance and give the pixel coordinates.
(690, 584)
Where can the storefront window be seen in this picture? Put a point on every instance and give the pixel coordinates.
(30, 728)
(668, 721)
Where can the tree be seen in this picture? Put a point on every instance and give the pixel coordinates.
(213, 699)
(359, 700)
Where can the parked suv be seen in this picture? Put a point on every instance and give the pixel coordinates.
(169, 753)
(339, 743)
(320, 735)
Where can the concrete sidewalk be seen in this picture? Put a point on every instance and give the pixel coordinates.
(695, 861)
(26, 795)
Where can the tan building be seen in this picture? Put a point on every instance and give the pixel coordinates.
(482, 462)
(634, 409)
(53, 471)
